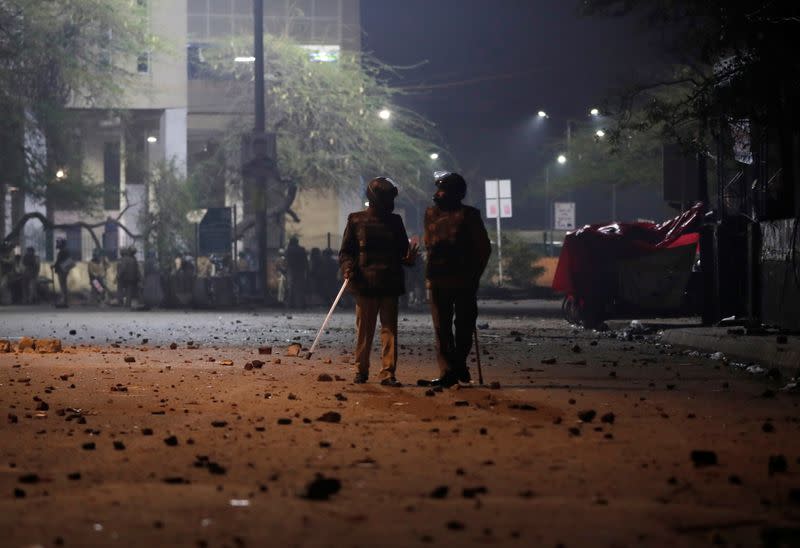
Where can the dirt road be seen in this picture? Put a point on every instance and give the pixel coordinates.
(587, 440)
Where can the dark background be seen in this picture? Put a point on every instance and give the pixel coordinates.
(488, 66)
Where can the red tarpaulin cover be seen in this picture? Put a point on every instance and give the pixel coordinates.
(594, 249)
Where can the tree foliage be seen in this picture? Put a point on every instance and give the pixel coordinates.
(54, 55)
(722, 60)
(325, 116)
(594, 160)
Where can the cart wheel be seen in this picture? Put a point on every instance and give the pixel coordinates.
(579, 311)
(569, 309)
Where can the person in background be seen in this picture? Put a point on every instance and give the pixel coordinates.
(97, 267)
(297, 270)
(30, 276)
(64, 263)
(127, 277)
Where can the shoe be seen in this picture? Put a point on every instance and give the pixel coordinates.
(391, 381)
(446, 381)
(361, 378)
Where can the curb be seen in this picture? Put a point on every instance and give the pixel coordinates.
(759, 349)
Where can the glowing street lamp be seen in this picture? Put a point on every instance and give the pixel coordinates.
(595, 112)
(561, 159)
(600, 133)
(61, 174)
(385, 114)
(152, 139)
(434, 155)
(542, 114)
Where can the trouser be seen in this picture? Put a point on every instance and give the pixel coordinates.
(125, 294)
(452, 349)
(62, 282)
(367, 311)
(30, 290)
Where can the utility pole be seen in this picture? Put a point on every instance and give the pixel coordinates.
(260, 124)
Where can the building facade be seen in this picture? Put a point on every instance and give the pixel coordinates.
(170, 111)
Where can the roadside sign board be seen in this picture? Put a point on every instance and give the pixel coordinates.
(564, 215)
(498, 199)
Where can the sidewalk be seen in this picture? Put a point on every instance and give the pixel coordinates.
(766, 348)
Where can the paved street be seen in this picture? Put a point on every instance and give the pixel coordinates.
(585, 439)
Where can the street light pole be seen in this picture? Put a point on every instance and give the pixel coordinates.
(547, 197)
(260, 125)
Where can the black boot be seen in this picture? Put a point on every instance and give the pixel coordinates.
(446, 381)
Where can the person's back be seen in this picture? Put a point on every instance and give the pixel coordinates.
(378, 245)
(456, 244)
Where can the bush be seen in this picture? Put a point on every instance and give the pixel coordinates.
(519, 269)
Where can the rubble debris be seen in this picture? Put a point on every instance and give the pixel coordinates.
(330, 416)
(129, 359)
(265, 350)
(173, 346)
(25, 344)
(587, 415)
(5, 345)
(226, 362)
(440, 492)
(284, 421)
(777, 464)
(340, 397)
(522, 406)
(324, 377)
(293, 350)
(548, 361)
(576, 348)
(219, 424)
(322, 488)
(494, 385)
(172, 441)
(608, 418)
(717, 356)
(257, 364)
(472, 492)
(702, 458)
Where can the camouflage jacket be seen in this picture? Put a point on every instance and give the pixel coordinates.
(373, 248)
(457, 247)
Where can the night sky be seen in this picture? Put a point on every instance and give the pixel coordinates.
(489, 65)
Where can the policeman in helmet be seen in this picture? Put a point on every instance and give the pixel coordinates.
(458, 250)
(374, 249)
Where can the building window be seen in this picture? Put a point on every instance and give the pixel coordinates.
(143, 63)
(111, 176)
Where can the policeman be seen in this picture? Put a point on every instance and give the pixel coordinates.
(374, 249)
(127, 277)
(458, 249)
(64, 263)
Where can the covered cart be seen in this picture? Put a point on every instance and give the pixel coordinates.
(629, 268)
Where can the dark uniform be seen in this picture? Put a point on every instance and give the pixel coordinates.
(297, 270)
(458, 249)
(64, 263)
(374, 249)
(127, 277)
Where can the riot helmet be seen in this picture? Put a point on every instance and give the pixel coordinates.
(381, 192)
(451, 188)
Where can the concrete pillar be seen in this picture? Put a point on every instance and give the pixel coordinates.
(172, 137)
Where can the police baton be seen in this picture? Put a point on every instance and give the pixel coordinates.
(327, 319)
(478, 356)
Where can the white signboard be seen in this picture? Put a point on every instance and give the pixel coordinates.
(498, 199)
(564, 215)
